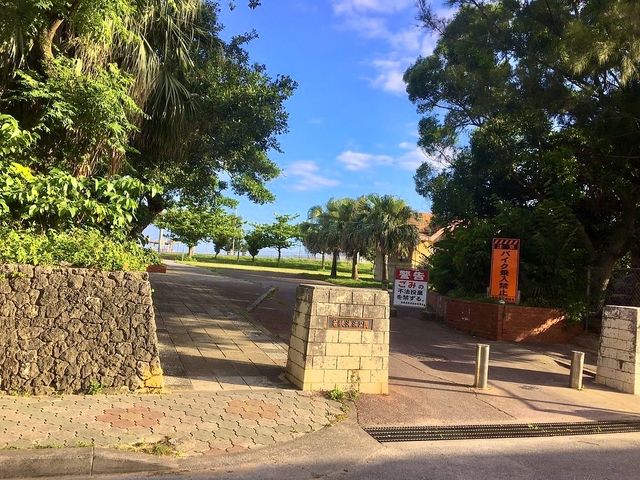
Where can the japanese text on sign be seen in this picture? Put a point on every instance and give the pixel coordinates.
(505, 262)
(410, 288)
(347, 323)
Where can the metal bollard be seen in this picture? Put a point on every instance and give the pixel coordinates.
(482, 367)
(577, 365)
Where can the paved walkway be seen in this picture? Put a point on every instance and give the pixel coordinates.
(191, 423)
(225, 389)
(207, 342)
(431, 371)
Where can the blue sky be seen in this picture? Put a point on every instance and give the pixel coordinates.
(352, 128)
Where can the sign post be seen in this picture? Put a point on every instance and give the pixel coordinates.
(410, 288)
(505, 263)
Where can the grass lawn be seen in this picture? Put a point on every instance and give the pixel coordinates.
(302, 268)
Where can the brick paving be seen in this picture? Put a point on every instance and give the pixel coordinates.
(207, 342)
(194, 423)
(225, 386)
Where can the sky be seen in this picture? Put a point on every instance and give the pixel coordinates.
(352, 128)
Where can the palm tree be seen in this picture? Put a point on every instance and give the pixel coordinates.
(313, 240)
(386, 223)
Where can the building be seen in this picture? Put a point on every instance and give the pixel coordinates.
(416, 257)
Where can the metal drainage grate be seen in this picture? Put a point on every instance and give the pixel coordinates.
(523, 430)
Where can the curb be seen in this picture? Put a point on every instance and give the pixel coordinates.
(261, 299)
(327, 450)
(85, 461)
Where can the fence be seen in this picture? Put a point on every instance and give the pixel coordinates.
(624, 288)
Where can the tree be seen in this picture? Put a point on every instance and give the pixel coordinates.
(191, 225)
(546, 93)
(329, 227)
(282, 234)
(313, 240)
(387, 224)
(256, 240)
(146, 88)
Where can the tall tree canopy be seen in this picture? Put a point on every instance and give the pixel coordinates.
(548, 94)
(145, 88)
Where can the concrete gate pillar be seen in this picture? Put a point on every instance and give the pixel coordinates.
(340, 339)
(619, 353)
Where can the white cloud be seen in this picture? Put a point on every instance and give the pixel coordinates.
(355, 161)
(411, 159)
(374, 19)
(306, 175)
(366, 6)
(389, 76)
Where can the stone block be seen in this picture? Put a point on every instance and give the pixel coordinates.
(336, 376)
(325, 363)
(378, 311)
(359, 350)
(350, 336)
(337, 349)
(320, 294)
(328, 309)
(364, 297)
(371, 363)
(341, 296)
(314, 376)
(348, 363)
(349, 310)
(382, 298)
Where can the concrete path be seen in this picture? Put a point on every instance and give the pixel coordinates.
(431, 378)
(431, 371)
(207, 341)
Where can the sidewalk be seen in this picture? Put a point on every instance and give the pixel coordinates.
(225, 392)
(431, 382)
(186, 424)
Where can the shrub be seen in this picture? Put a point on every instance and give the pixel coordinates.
(86, 248)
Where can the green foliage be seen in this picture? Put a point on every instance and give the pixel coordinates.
(256, 240)
(546, 93)
(95, 388)
(13, 140)
(339, 395)
(74, 247)
(553, 266)
(281, 234)
(192, 225)
(144, 88)
(58, 200)
(85, 121)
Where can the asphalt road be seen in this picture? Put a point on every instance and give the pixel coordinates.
(595, 457)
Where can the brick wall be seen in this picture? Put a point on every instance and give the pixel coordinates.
(322, 357)
(504, 322)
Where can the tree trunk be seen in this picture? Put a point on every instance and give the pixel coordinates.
(322, 266)
(334, 264)
(385, 279)
(619, 243)
(192, 249)
(354, 267)
(253, 259)
(279, 255)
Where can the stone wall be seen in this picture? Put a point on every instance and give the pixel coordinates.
(508, 322)
(619, 352)
(68, 329)
(340, 338)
